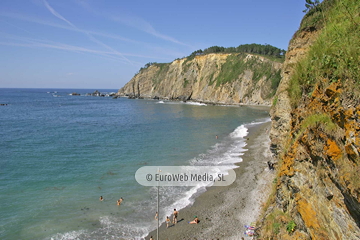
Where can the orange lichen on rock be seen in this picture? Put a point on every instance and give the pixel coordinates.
(287, 167)
(317, 92)
(333, 89)
(296, 235)
(332, 150)
(308, 214)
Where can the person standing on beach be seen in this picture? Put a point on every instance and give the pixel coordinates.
(175, 216)
(156, 215)
(167, 221)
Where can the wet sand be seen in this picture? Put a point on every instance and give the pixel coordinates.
(223, 211)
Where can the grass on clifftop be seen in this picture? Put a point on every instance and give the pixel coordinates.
(336, 52)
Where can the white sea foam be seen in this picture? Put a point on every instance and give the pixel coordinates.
(186, 199)
(261, 121)
(196, 103)
(239, 132)
(111, 228)
(227, 152)
(68, 235)
(92, 178)
(224, 153)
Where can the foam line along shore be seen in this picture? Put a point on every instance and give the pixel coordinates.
(223, 211)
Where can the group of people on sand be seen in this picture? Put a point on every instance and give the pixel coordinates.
(175, 219)
(175, 215)
(118, 202)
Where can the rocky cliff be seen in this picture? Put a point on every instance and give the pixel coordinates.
(236, 78)
(316, 130)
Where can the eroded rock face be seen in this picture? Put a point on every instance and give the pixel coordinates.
(281, 111)
(319, 174)
(195, 79)
(317, 145)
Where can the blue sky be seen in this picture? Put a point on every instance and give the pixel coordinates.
(103, 43)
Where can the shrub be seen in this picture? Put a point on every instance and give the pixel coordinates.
(290, 227)
(335, 53)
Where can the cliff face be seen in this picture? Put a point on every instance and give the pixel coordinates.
(281, 110)
(316, 143)
(217, 78)
(317, 185)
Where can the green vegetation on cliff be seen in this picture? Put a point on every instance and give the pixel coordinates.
(276, 54)
(316, 140)
(271, 52)
(161, 73)
(236, 65)
(231, 78)
(232, 70)
(335, 54)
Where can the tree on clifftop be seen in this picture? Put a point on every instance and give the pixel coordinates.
(311, 5)
(245, 48)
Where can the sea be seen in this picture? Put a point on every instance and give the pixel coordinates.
(60, 152)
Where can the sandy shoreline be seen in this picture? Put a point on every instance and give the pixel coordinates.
(223, 211)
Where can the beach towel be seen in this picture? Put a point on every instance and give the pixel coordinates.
(249, 233)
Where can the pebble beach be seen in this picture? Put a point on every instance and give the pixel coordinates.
(224, 211)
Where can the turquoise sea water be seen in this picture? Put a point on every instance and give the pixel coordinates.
(60, 153)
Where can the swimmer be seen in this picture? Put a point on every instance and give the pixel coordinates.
(119, 201)
(101, 198)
